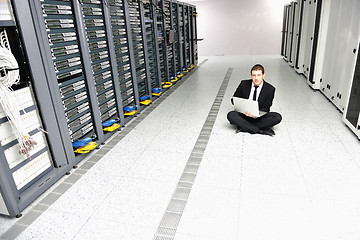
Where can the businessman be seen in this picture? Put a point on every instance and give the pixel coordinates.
(262, 92)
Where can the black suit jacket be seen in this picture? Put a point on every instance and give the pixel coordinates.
(265, 98)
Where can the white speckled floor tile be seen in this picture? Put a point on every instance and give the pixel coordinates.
(136, 202)
(96, 229)
(86, 195)
(174, 141)
(267, 216)
(54, 225)
(6, 222)
(213, 211)
(230, 145)
(181, 236)
(220, 172)
(165, 167)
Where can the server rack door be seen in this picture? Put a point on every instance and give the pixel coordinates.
(294, 33)
(193, 37)
(300, 9)
(317, 61)
(140, 51)
(329, 61)
(114, 123)
(176, 12)
(290, 32)
(152, 44)
(163, 39)
(348, 37)
(187, 37)
(342, 38)
(283, 33)
(125, 61)
(287, 19)
(304, 37)
(170, 37)
(315, 42)
(309, 36)
(352, 111)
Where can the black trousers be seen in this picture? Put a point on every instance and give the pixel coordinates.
(254, 125)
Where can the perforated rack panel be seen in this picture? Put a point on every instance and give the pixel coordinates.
(152, 45)
(161, 38)
(169, 29)
(137, 29)
(64, 45)
(100, 59)
(122, 51)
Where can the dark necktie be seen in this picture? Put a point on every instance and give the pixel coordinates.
(254, 97)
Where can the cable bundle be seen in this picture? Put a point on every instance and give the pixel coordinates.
(9, 75)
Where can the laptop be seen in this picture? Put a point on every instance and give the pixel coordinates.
(246, 105)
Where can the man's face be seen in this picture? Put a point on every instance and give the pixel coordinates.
(257, 77)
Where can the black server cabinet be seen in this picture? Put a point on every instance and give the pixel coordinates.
(123, 50)
(136, 14)
(170, 34)
(100, 46)
(152, 42)
(162, 39)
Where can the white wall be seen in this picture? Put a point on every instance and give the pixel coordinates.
(239, 27)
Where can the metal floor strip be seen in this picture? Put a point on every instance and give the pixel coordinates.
(171, 219)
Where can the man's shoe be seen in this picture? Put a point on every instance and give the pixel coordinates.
(268, 132)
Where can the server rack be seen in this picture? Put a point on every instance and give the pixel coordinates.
(194, 38)
(162, 38)
(309, 37)
(153, 45)
(343, 34)
(104, 75)
(187, 45)
(295, 30)
(304, 38)
(136, 12)
(125, 63)
(284, 31)
(299, 17)
(290, 29)
(168, 6)
(179, 18)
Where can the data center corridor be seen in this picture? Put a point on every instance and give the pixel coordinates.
(302, 183)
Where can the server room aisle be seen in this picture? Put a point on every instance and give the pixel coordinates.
(303, 183)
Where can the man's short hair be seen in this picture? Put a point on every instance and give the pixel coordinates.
(257, 67)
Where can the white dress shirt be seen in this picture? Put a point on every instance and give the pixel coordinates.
(257, 91)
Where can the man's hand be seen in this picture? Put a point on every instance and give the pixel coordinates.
(248, 114)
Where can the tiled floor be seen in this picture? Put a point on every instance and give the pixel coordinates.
(303, 183)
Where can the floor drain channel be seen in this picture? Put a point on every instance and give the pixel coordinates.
(171, 219)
